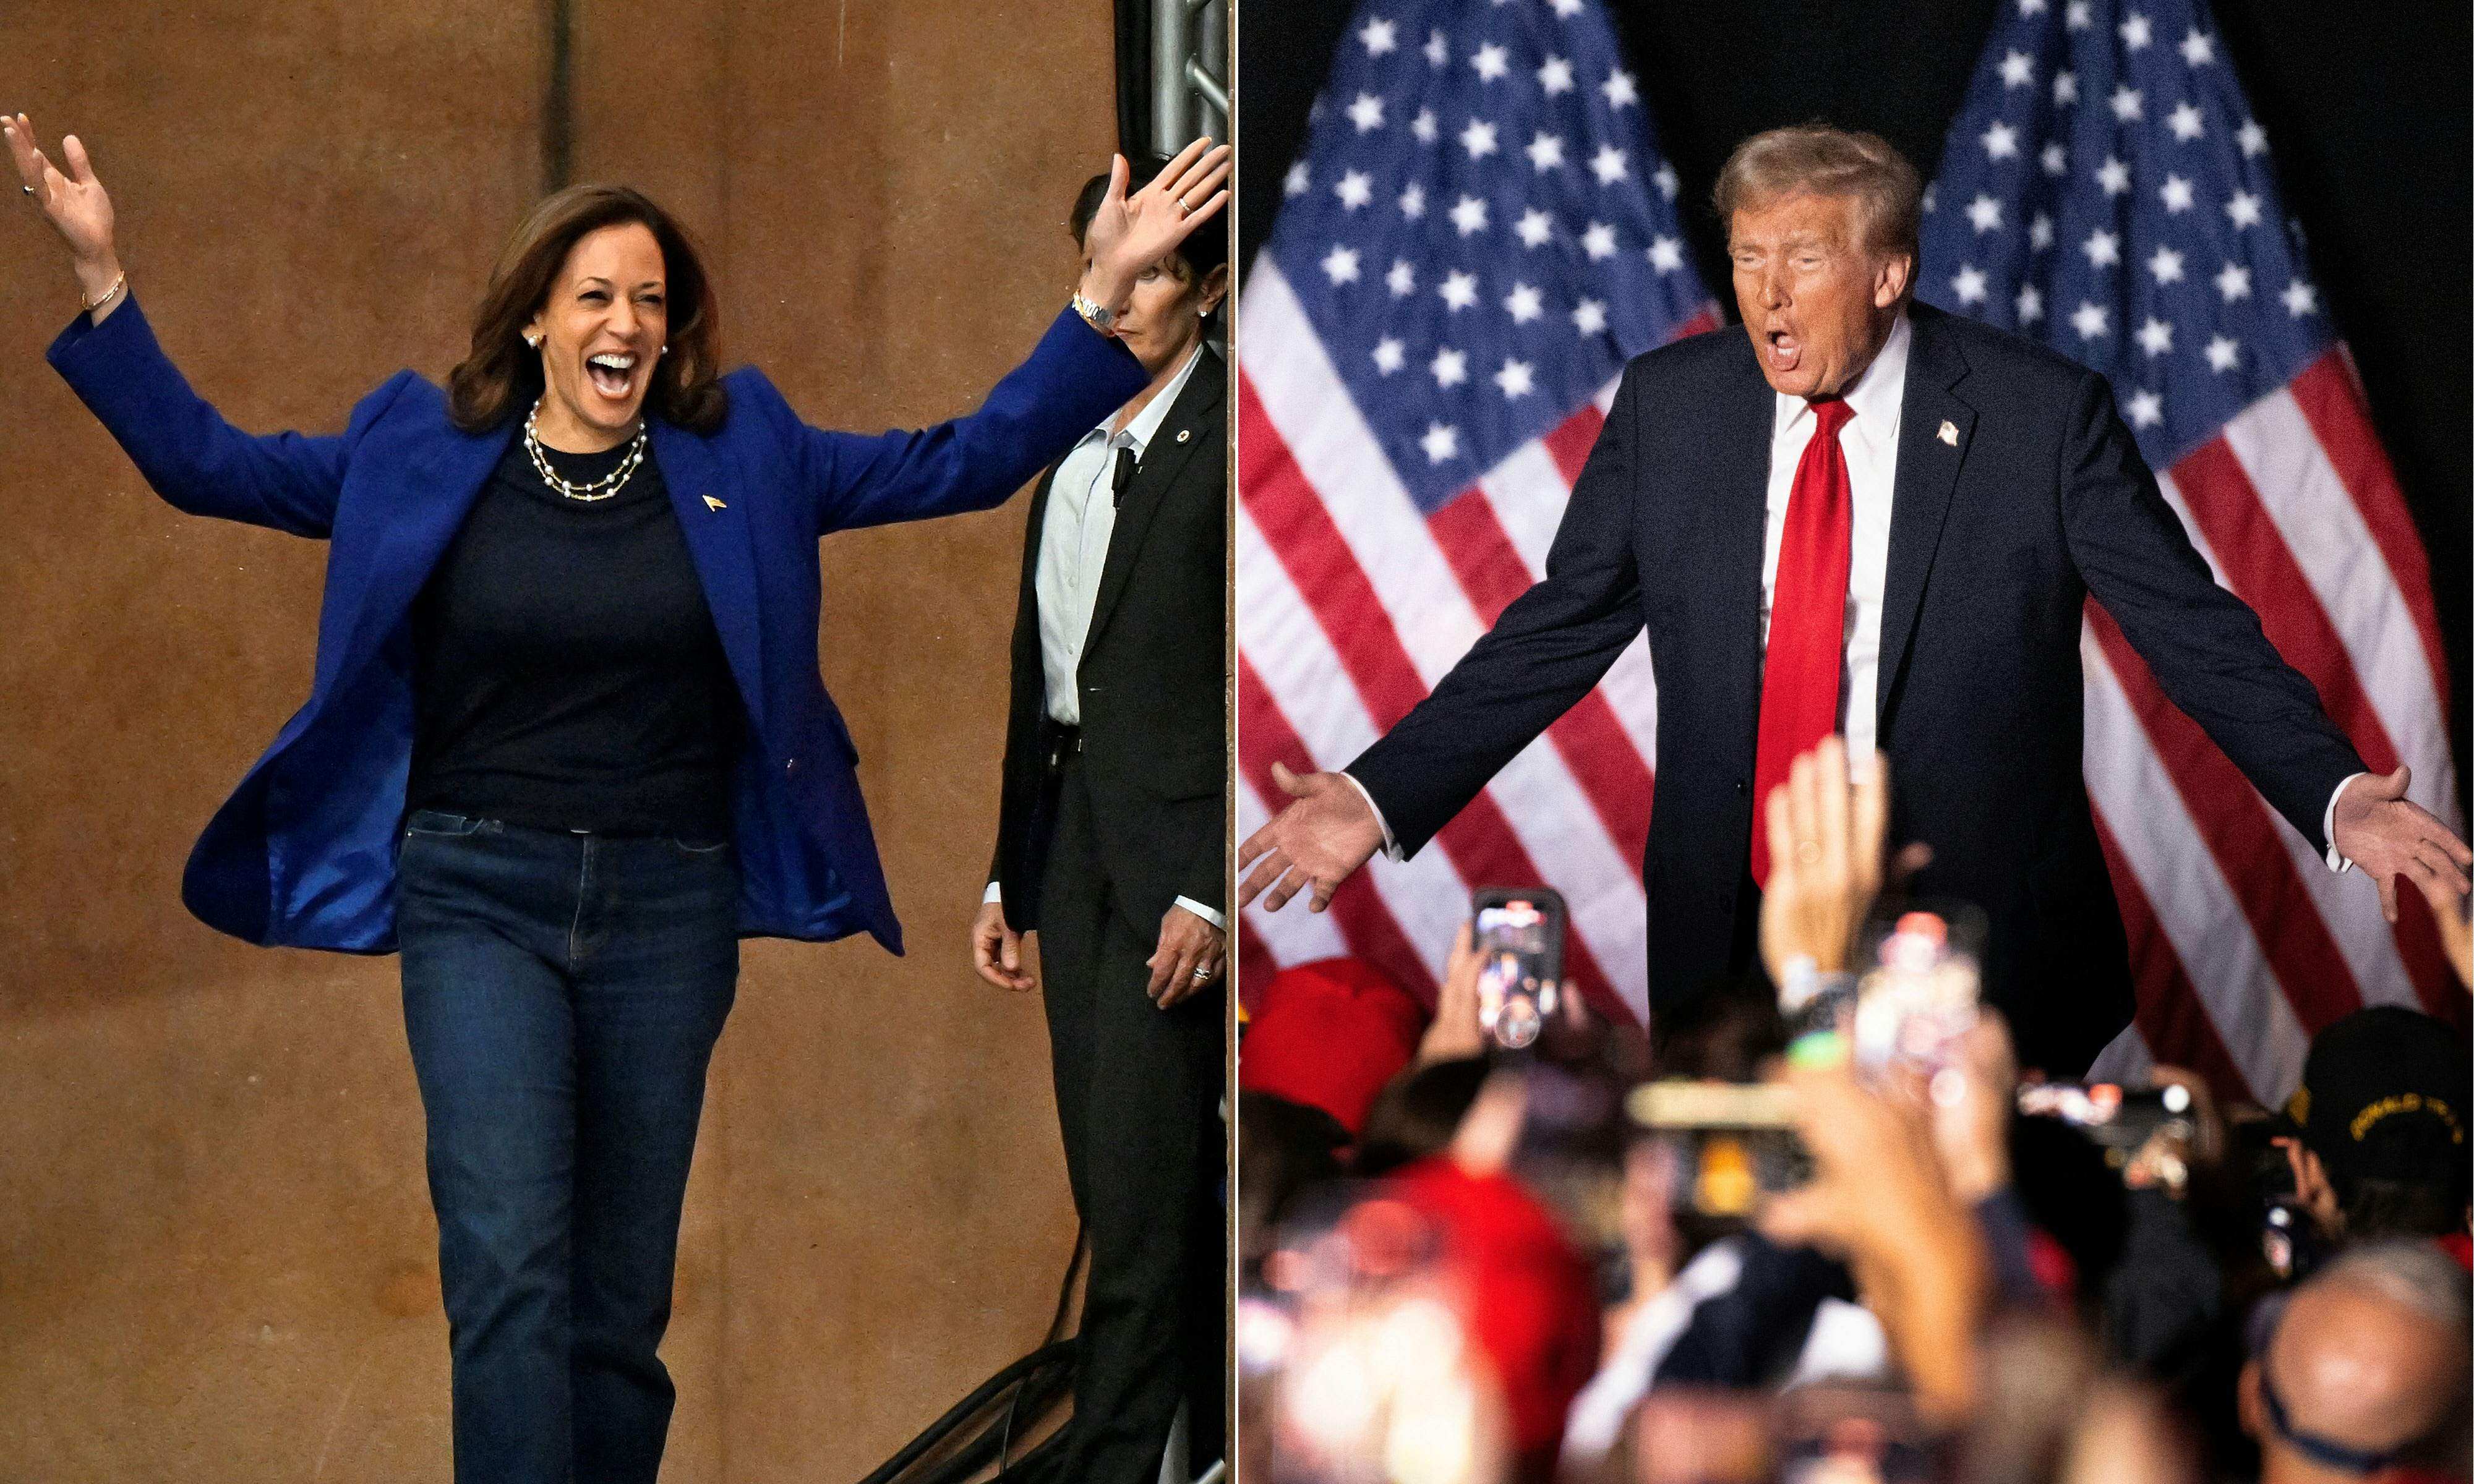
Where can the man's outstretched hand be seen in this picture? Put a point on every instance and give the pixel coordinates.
(2388, 837)
(1326, 831)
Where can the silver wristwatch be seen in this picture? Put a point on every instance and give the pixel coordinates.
(1099, 317)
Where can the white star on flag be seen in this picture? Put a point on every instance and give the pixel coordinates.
(2066, 88)
(1402, 279)
(1489, 60)
(2088, 319)
(1545, 151)
(2075, 17)
(2147, 409)
(1458, 291)
(2175, 193)
(2001, 142)
(1589, 317)
(1566, 10)
(2032, 304)
(1599, 241)
(1663, 178)
(2040, 232)
(1984, 214)
(1449, 367)
(1340, 265)
(1535, 227)
(1412, 203)
(1620, 91)
(1969, 284)
(2032, 7)
(2243, 209)
(1295, 182)
(1666, 255)
(2102, 248)
(1354, 190)
(2155, 337)
(2126, 102)
(1380, 36)
(2234, 282)
(2185, 122)
(2057, 160)
(2165, 265)
(2223, 354)
(1556, 76)
(2114, 176)
(1522, 303)
(1468, 215)
(1367, 112)
(1388, 357)
(2198, 51)
(1478, 138)
(1439, 51)
(1424, 125)
(1514, 379)
(2134, 31)
(2300, 298)
(1608, 163)
(2254, 139)
(1440, 442)
(2018, 70)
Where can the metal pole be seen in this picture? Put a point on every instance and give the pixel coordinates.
(1169, 94)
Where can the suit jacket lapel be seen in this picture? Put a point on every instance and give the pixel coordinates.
(1929, 465)
(713, 518)
(1733, 526)
(1193, 419)
(442, 481)
(1028, 670)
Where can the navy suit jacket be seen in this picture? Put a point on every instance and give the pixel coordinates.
(302, 854)
(1996, 544)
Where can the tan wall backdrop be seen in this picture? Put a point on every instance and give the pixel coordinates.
(216, 1255)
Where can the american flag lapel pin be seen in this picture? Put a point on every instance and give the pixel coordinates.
(1949, 433)
(714, 504)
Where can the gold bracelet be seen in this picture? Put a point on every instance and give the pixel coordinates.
(117, 284)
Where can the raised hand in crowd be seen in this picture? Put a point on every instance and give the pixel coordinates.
(1827, 824)
(1881, 1199)
(1455, 1032)
(1317, 840)
(2456, 929)
(78, 208)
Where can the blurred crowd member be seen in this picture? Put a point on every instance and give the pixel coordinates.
(2456, 929)
(2365, 1375)
(2381, 1118)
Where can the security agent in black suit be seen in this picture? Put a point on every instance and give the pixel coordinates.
(1110, 845)
(2009, 493)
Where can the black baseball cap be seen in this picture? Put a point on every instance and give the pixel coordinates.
(2384, 1096)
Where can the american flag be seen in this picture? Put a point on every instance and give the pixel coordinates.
(2105, 190)
(1479, 233)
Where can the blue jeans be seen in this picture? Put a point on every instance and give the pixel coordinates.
(562, 993)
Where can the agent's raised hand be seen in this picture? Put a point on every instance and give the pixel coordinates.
(1130, 232)
(73, 200)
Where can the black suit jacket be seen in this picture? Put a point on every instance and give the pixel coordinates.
(1152, 676)
(1995, 545)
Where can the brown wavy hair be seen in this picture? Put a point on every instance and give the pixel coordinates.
(503, 376)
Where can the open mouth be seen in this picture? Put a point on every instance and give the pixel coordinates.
(612, 373)
(1783, 350)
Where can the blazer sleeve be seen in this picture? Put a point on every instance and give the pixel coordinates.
(1074, 378)
(192, 457)
(2204, 644)
(1552, 645)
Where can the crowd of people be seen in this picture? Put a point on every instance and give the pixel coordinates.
(1463, 1263)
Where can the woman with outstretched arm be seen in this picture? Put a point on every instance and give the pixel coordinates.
(567, 742)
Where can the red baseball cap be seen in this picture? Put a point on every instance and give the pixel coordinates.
(1329, 1034)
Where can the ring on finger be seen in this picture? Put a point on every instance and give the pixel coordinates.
(1183, 208)
(1202, 973)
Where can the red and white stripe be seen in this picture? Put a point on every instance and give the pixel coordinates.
(1352, 605)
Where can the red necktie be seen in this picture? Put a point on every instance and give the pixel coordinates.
(1807, 643)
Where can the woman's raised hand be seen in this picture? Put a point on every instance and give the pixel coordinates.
(73, 200)
(1130, 232)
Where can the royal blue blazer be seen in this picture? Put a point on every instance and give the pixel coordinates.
(303, 853)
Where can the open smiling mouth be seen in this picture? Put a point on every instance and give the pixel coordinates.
(612, 373)
(1783, 350)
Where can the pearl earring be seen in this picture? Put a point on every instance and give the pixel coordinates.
(533, 341)
(666, 350)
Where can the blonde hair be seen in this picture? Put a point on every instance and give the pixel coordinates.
(1829, 161)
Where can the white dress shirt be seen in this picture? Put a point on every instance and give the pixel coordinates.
(1073, 552)
(1870, 440)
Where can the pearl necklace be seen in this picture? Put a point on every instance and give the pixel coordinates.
(601, 489)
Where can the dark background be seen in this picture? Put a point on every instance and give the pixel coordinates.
(2367, 121)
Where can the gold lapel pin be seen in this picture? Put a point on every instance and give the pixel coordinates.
(717, 505)
(1949, 433)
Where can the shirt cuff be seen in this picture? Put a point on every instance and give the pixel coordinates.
(994, 892)
(1391, 846)
(2328, 827)
(1206, 913)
